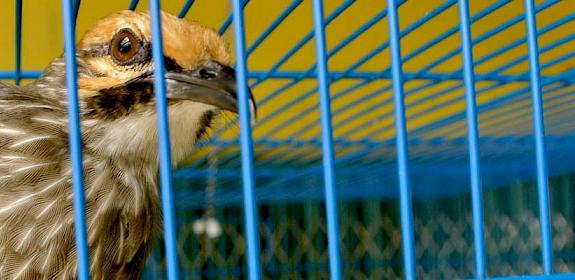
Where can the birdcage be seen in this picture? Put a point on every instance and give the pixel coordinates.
(395, 139)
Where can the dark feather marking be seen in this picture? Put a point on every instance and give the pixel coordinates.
(205, 122)
(171, 65)
(120, 101)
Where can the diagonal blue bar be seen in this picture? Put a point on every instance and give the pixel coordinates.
(402, 153)
(279, 19)
(185, 8)
(169, 216)
(250, 206)
(228, 21)
(539, 133)
(75, 142)
(133, 4)
(18, 41)
(327, 142)
(473, 139)
(332, 16)
(491, 104)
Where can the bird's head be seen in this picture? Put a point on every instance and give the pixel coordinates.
(115, 83)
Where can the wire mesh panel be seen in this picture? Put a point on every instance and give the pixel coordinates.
(394, 139)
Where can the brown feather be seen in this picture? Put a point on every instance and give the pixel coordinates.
(119, 152)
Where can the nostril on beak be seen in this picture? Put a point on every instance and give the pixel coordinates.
(207, 74)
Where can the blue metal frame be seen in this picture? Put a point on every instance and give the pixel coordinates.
(75, 141)
(541, 86)
(473, 138)
(133, 4)
(18, 42)
(185, 8)
(401, 136)
(539, 133)
(326, 141)
(250, 206)
(166, 185)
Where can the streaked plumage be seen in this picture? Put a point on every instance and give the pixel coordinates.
(119, 137)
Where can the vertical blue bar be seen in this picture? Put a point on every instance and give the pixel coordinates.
(472, 135)
(18, 57)
(402, 154)
(75, 141)
(326, 141)
(164, 142)
(250, 211)
(539, 132)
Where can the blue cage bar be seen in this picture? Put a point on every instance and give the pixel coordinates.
(75, 139)
(542, 187)
(401, 141)
(250, 207)
(327, 141)
(473, 139)
(327, 148)
(166, 185)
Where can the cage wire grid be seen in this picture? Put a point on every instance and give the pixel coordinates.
(389, 105)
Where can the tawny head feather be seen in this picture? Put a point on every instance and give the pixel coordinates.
(186, 43)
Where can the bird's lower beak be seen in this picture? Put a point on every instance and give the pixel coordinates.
(212, 83)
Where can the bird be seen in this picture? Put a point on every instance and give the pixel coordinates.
(119, 139)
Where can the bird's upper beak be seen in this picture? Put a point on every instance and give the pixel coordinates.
(212, 83)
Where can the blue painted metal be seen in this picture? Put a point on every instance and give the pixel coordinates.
(481, 90)
(133, 4)
(185, 8)
(77, 5)
(340, 9)
(539, 133)
(279, 19)
(384, 73)
(497, 29)
(167, 194)
(228, 21)
(18, 41)
(473, 139)
(441, 77)
(250, 206)
(402, 150)
(326, 140)
(298, 77)
(369, 77)
(418, 89)
(23, 74)
(75, 141)
(536, 277)
(491, 104)
(333, 15)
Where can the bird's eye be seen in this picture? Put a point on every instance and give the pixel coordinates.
(124, 47)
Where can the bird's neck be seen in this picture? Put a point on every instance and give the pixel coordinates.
(134, 138)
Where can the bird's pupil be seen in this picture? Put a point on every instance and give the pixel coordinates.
(125, 45)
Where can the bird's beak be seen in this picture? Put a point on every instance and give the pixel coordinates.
(212, 83)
